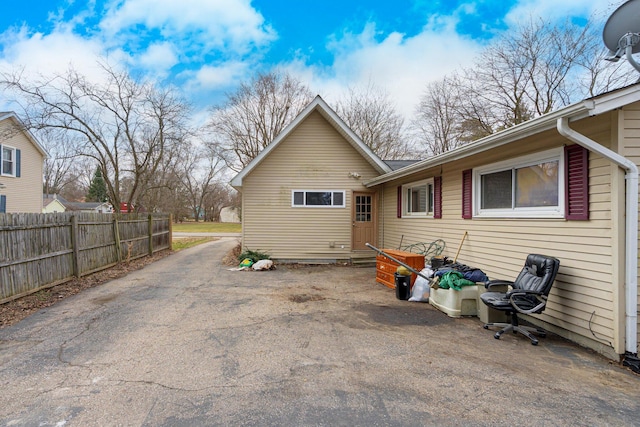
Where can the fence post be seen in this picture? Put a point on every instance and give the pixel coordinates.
(150, 235)
(116, 235)
(170, 232)
(74, 244)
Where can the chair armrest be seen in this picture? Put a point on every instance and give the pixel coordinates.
(521, 292)
(491, 283)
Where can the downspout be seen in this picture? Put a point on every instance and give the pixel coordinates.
(631, 235)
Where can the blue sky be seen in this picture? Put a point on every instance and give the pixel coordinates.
(206, 47)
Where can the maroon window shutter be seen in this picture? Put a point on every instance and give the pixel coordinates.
(576, 194)
(437, 197)
(400, 202)
(467, 187)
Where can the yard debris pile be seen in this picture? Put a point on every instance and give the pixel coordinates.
(446, 275)
(249, 264)
(456, 275)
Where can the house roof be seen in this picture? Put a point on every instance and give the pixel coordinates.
(399, 164)
(589, 107)
(78, 206)
(72, 206)
(319, 105)
(11, 115)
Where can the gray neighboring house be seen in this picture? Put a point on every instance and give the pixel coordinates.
(53, 200)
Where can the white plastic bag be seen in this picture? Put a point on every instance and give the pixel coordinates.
(263, 264)
(420, 291)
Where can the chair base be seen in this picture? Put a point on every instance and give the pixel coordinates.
(524, 330)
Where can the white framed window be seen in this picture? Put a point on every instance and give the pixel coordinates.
(529, 186)
(8, 167)
(317, 198)
(417, 199)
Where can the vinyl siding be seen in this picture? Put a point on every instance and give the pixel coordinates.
(24, 193)
(630, 146)
(314, 156)
(582, 299)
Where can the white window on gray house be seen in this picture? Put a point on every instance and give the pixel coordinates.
(418, 199)
(318, 198)
(8, 161)
(530, 186)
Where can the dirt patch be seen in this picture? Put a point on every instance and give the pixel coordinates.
(305, 298)
(14, 311)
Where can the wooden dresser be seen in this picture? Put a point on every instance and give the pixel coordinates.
(385, 267)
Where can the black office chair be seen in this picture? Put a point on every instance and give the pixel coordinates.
(528, 295)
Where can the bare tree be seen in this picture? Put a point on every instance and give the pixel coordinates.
(598, 75)
(528, 72)
(255, 114)
(370, 113)
(437, 123)
(123, 124)
(63, 166)
(220, 196)
(198, 169)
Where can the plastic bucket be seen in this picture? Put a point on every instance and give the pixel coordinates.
(403, 286)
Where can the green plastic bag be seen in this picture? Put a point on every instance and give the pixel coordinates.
(246, 263)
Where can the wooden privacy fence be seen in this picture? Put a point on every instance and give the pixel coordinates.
(38, 251)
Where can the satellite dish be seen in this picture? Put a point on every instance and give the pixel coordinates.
(621, 33)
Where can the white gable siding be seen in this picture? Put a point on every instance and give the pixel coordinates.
(24, 193)
(313, 157)
(582, 299)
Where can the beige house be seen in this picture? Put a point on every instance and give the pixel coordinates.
(564, 184)
(303, 196)
(21, 159)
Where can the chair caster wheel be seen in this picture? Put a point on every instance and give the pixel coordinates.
(485, 326)
(497, 336)
(534, 342)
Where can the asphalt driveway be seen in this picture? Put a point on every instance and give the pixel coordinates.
(187, 342)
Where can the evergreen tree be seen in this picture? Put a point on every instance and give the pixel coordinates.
(98, 189)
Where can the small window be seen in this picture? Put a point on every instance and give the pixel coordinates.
(417, 199)
(528, 186)
(328, 198)
(8, 161)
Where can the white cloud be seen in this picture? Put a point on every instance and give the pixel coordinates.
(211, 77)
(404, 65)
(215, 44)
(214, 24)
(156, 37)
(159, 57)
(399, 64)
(554, 10)
(39, 53)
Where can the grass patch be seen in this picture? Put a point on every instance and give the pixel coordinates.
(207, 227)
(188, 242)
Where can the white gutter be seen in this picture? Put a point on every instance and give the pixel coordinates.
(631, 224)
